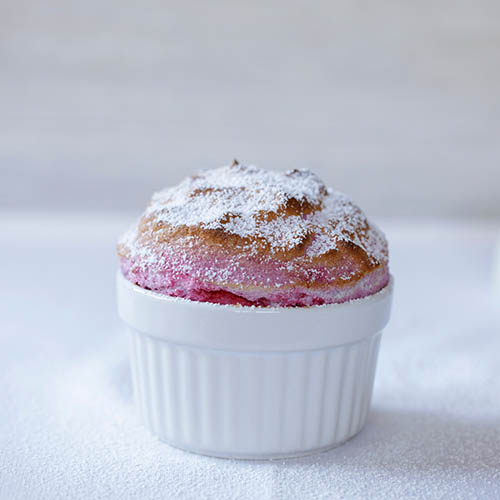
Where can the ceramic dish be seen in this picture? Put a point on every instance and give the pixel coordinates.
(252, 382)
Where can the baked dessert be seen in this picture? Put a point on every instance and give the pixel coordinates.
(253, 237)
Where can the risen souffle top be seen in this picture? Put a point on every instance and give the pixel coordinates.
(247, 236)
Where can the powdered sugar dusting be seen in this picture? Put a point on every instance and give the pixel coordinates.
(249, 236)
(249, 202)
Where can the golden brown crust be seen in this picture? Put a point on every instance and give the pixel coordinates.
(248, 217)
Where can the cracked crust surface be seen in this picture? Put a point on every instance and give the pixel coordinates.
(242, 235)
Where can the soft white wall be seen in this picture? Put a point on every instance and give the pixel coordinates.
(394, 102)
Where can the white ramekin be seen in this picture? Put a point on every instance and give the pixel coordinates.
(244, 382)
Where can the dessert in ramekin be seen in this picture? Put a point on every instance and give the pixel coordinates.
(255, 301)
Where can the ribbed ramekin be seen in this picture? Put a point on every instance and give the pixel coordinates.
(243, 382)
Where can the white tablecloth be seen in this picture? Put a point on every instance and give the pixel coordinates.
(67, 423)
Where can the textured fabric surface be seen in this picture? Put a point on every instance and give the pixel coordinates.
(68, 428)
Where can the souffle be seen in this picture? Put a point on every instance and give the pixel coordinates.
(245, 236)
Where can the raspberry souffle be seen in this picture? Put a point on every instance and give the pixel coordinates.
(236, 289)
(241, 235)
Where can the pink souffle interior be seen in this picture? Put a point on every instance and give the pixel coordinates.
(244, 236)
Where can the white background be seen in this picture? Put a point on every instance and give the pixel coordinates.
(395, 102)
